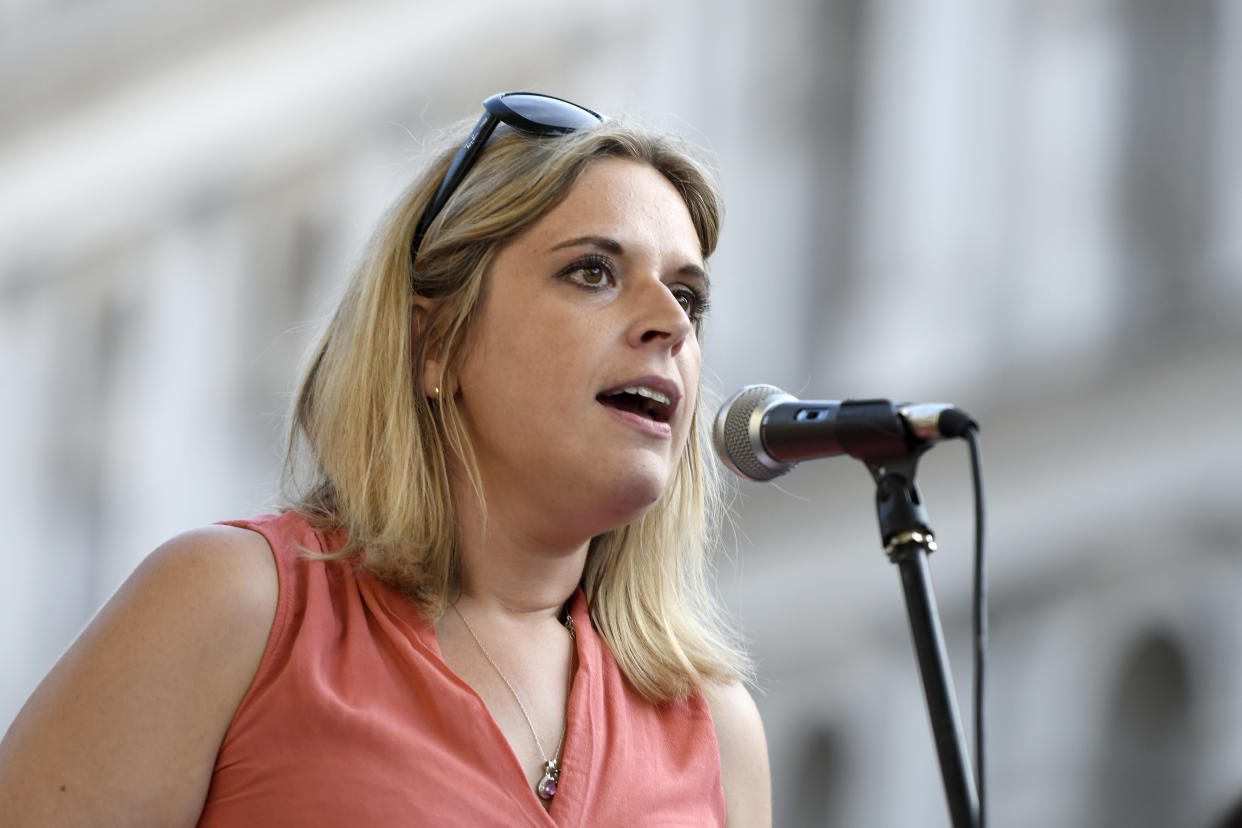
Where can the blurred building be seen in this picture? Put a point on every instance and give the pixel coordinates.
(1030, 207)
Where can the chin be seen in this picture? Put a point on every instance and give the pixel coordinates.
(633, 497)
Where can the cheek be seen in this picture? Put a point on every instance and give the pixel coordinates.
(691, 361)
(691, 402)
(690, 379)
(503, 353)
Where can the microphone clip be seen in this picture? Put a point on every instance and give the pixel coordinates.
(899, 507)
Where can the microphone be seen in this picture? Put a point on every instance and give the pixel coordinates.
(761, 432)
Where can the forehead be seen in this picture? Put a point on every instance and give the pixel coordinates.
(624, 199)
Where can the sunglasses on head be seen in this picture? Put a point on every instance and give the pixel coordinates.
(527, 112)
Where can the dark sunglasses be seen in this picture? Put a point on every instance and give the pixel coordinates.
(527, 112)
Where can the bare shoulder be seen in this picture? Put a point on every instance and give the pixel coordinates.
(217, 561)
(156, 678)
(213, 587)
(743, 754)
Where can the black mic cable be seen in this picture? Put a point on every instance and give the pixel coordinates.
(980, 617)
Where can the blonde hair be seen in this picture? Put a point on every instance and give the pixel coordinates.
(370, 454)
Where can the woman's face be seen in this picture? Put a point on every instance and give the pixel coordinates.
(583, 367)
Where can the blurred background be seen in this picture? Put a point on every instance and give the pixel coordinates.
(1031, 208)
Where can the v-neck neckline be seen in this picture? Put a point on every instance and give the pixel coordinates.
(566, 806)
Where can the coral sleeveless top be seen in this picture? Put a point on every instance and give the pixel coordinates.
(354, 719)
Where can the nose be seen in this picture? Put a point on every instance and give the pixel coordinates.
(659, 321)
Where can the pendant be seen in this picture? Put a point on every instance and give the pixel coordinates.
(547, 785)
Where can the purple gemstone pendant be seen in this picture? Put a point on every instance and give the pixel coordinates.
(547, 785)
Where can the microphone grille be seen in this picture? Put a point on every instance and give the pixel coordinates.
(737, 436)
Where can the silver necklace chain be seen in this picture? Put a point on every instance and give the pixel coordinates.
(546, 788)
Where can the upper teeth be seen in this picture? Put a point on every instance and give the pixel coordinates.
(649, 393)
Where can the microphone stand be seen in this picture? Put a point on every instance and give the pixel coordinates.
(908, 539)
(761, 435)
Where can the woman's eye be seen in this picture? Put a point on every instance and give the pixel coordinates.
(694, 304)
(589, 273)
(594, 275)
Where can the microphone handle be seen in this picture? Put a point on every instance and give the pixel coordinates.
(869, 430)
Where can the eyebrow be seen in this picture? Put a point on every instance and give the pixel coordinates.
(613, 246)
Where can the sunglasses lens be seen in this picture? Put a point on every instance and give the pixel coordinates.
(546, 115)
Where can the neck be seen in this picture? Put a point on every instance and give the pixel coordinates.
(511, 571)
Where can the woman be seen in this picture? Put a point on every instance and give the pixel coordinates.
(486, 603)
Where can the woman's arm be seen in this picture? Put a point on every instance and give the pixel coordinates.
(743, 756)
(125, 728)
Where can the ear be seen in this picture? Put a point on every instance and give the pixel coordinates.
(429, 372)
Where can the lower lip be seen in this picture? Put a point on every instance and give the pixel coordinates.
(648, 426)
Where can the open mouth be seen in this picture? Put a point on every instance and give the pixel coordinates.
(641, 400)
